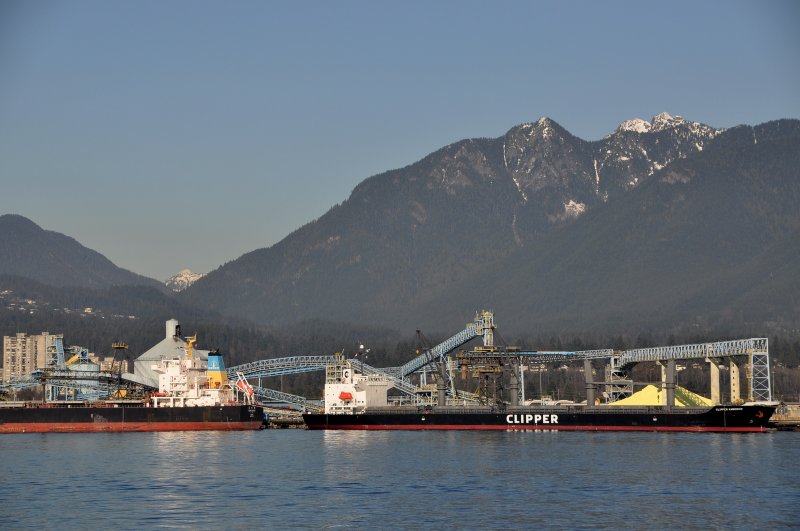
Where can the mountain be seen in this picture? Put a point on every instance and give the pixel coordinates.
(182, 279)
(660, 221)
(710, 242)
(57, 260)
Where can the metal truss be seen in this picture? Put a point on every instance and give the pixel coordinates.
(19, 382)
(545, 356)
(280, 366)
(55, 353)
(719, 349)
(618, 382)
(755, 350)
(438, 352)
(537, 356)
(760, 381)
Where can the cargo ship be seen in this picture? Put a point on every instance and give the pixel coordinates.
(192, 395)
(359, 402)
(116, 416)
(743, 418)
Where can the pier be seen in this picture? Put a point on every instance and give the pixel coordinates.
(786, 417)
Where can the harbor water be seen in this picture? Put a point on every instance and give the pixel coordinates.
(298, 479)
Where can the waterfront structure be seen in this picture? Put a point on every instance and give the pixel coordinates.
(355, 401)
(356, 395)
(190, 393)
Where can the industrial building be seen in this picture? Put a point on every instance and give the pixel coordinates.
(173, 345)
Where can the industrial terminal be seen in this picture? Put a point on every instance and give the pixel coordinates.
(427, 392)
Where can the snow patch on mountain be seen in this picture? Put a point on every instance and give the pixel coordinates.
(544, 124)
(574, 208)
(183, 279)
(596, 177)
(636, 125)
(660, 122)
(519, 188)
(665, 121)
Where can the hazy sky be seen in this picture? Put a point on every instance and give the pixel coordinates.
(172, 134)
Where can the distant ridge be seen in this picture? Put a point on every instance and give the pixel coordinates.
(57, 260)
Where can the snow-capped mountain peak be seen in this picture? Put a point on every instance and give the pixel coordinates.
(637, 125)
(183, 279)
(665, 121)
(660, 122)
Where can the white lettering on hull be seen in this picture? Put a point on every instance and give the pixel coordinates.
(532, 419)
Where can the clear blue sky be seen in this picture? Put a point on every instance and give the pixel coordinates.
(186, 133)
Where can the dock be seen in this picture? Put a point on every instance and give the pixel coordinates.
(786, 418)
(283, 418)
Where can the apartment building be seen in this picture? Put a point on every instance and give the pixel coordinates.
(22, 354)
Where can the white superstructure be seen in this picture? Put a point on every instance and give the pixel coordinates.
(192, 381)
(347, 391)
(185, 382)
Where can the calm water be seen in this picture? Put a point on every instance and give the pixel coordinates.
(278, 479)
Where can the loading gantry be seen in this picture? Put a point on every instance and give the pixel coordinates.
(748, 355)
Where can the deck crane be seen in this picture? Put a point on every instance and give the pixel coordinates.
(190, 343)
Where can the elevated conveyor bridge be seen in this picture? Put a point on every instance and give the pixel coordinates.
(754, 352)
(280, 366)
(482, 326)
(718, 349)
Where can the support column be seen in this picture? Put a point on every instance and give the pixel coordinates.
(668, 383)
(714, 369)
(591, 387)
(441, 392)
(735, 384)
(513, 387)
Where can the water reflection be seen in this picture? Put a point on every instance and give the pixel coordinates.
(350, 467)
(293, 478)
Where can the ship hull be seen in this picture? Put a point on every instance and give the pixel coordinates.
(79, 419)
(717, 418)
